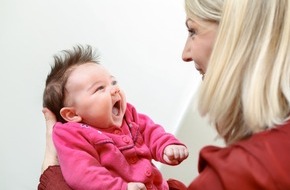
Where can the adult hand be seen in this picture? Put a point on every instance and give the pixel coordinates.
(175, 154)
(50, 156)
(136, 186)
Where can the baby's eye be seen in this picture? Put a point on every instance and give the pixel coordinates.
(114, 82)
(99, 88)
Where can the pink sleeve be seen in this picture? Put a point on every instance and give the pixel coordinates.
(79, 160)
(155, 137)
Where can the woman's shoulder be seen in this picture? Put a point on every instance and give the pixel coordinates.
(262, 159)
(276, 138)
(270, 144)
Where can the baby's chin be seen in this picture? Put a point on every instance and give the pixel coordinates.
(118, 121)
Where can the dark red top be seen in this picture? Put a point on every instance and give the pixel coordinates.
(52, 179)
(260, 162)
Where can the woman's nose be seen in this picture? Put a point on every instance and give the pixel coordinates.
(115, 90)
(187, 54)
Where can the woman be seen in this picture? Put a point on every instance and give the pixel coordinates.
(242, 50)
(245, 92)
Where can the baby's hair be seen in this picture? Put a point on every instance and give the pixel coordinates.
(64, 64)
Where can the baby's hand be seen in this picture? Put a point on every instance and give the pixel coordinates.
(136, 186)
(174, 154)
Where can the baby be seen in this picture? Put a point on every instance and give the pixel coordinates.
(102, 142)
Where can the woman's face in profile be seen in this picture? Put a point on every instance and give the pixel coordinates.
(199, 43)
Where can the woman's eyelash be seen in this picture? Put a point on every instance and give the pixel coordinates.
(191, 32)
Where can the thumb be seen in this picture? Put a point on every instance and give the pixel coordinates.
(50, 118)
(141, 186)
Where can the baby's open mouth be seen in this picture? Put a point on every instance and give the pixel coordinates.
(116, 108)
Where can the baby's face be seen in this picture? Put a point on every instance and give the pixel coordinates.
(95, 95)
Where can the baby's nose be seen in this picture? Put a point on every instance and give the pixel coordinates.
(115, 90)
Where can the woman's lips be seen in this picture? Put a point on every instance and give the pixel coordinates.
(200, 72)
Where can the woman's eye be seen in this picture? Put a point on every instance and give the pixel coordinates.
(191, 32)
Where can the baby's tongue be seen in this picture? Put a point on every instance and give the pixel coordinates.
(115, 111)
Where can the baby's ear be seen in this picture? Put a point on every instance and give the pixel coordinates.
(69, 114)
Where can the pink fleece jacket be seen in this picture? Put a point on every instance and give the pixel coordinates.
(92, 158)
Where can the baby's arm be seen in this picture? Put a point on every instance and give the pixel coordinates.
(175, 154)
(136, 186)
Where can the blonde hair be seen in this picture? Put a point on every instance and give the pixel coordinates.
(204, 9)
(247, 84)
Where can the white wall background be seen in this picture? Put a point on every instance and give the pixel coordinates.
(140, 41)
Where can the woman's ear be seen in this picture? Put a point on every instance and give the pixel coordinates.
(69, 114)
